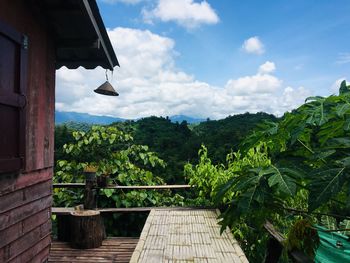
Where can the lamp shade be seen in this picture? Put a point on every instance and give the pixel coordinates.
(106, 89)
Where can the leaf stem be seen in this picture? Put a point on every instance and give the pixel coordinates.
(310, 150)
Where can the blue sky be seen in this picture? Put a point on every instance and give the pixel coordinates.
(214, 58)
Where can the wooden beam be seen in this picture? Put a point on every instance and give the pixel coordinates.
(69, 185)
(78, 43)
(150, 187)
(68, 210)
(98, 32)
(273, 232)
(296, 255)
(125, 187)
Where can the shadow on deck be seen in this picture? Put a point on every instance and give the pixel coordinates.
(116, 249)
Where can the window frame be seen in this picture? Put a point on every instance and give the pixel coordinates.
(16, 100)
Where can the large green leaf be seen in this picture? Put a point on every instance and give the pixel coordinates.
(337, 143)
(342, 108)
(345, 224)
(282, 180)
(322, 154)
(344, 88)
(345, 162)
(249, 197)
(221, 191)
(325, 184)
(347, 125)
(331, 130)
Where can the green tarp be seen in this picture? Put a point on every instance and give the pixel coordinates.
(334, 247)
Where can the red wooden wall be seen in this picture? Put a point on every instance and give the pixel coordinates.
(25, 198)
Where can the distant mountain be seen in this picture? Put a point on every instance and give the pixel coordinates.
(64, 117)
(180, 118)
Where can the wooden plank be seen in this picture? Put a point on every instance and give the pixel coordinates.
(125, 187)
(40, 218)
(25, 243)
(24, 196)
(10, 183)
(112, 250)
(39, 250)
(15, 215)
(11, 200)
(68, 210)
(10, 234)
(273, 232)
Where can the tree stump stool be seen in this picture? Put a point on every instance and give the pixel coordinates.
(87, 229)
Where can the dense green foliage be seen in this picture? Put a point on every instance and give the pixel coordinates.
(111, 152)
(178, 143)
(173, 142)
(223, 136)
(307, 167)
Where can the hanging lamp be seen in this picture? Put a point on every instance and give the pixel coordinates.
(106, 88)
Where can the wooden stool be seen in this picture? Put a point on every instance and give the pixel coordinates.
(87, 229)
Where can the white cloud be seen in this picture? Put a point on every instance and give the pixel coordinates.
(292, 98)
(186, 13)
(258, 84)
(267, 67)
(141, 53)
(343, 58)
(131, 2)
(70, 75)
(253, 45)
(150, 84)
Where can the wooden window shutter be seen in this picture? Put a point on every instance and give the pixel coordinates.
(13, 71)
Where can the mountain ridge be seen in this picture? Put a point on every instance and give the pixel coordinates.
(62, 117)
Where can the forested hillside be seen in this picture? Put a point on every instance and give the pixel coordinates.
(222, 136)
(178, 143)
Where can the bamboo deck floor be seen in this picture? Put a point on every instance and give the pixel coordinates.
(112, 250)
(186, 236)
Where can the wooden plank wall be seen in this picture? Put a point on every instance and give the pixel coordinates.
(26, 198)
(25, 225)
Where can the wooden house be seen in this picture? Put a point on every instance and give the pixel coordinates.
(36, 38)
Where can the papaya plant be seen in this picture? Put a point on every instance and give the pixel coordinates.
(311, 147)
(309, 169)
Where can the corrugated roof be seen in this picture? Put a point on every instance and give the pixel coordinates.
(80, 36)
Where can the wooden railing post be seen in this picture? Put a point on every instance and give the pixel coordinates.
(90, 193)
(273, 250)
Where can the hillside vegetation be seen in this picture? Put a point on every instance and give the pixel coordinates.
(178, 143)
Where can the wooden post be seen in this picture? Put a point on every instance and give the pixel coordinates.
(87, 229)
(90, 193)
(273, 251)
(275, 246)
